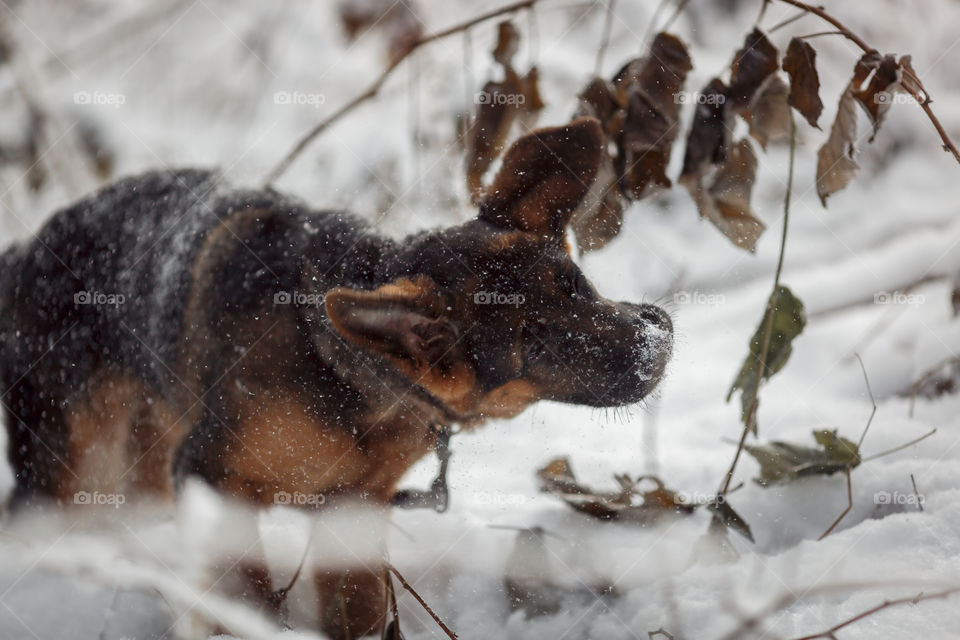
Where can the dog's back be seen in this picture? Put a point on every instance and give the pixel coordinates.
(98, 310)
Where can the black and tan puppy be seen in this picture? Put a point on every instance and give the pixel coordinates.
(168, 327)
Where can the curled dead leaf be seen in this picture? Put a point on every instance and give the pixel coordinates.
(752, 65)
(498, 106)
(724, 199)
(630, 504)
(800, 64)
(769, 112)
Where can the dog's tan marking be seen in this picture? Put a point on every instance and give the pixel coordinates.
(120, 439)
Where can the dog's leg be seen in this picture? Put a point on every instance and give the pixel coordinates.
(353, 602)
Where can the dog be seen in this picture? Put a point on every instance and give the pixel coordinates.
(170, 327)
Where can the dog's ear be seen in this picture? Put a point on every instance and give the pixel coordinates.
(399, 320)
(544, 176)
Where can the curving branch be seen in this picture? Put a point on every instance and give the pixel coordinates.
(374, 88)
(915, 88)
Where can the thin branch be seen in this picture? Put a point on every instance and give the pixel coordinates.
(923, 100)
(676, 14)
(768, 314)
(886, 604)
(820, 33)
(652, 25)
(605, 39)
(916, 493)
(374, 88)
(798, 594)
(873, 401)
(789, 20)
(426, 607)
(899, 448)
(279, 595)
(849, 504)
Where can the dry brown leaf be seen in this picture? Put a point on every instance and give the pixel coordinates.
(769, 112)
(652, 115)
(800, 64)
(726, 201)
(508, 41)
(835, 163)
(630, 504)
(876, 79)
(751, 66)
(709, 136)
(600, 216)
(499, 105)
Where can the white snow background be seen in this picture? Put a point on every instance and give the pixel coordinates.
(198, 81)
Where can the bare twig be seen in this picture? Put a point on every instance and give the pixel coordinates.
(605, 40)
(873, 402)
(857, 460)
(899, 448)
(916, 88)
(849, 506)
(916, 493)
(784, 23)
(374, 88)
(660, 632)
(768, 315)
(796, 595)
(676, 14)
(426, 607)
(652, 25)
(279, 595)
(886, 604)
(820, 33)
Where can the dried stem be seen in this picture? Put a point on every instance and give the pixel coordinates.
(886, 604)
(605, 40)
(921, 96)
(916, 492)
(426, 607)
(844, 513)
(768, 313)
(901, 447)
(374, 88)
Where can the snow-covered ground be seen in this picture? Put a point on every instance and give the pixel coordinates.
(197, 85)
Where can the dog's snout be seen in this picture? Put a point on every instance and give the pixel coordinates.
(652, 314)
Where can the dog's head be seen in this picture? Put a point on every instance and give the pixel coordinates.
(494, 315)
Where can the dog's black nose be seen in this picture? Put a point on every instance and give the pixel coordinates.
(656, 315)
(652, 314)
